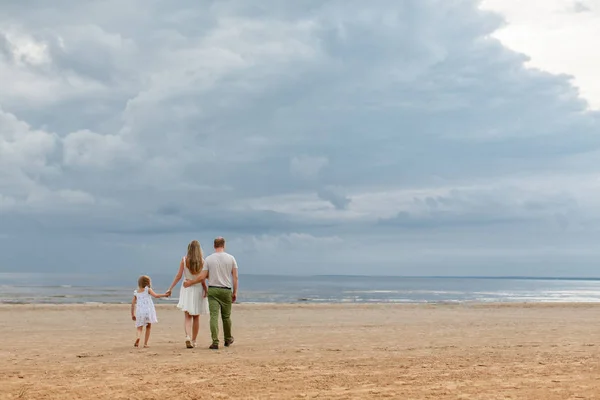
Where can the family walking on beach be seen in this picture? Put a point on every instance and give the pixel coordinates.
(196, 297)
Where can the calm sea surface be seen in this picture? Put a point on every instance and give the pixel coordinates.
(18, 288)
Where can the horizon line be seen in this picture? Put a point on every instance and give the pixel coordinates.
(506, 277)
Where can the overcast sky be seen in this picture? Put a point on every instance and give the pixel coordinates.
(410, 137)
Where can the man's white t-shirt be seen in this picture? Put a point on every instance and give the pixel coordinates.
(220, 269)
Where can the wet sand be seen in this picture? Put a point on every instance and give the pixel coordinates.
(517, 351)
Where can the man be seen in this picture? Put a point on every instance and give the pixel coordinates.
(221, 271)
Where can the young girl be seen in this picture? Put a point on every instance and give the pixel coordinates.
(192, 300)
(142, 308)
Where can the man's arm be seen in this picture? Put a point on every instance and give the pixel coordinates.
(234, 273)
(198, 279)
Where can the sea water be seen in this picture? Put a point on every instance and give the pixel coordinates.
(24, 288)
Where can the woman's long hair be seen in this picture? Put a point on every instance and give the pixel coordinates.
(194, 259)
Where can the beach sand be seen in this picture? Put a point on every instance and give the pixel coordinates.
(542, 351)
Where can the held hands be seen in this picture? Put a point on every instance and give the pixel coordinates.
(168, 293)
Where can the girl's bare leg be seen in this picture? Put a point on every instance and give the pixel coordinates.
(147, 337)
(138, 335)
(195, 327)
(188, 329)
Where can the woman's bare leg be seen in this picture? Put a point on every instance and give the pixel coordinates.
(188, 330)
(188, 324)
(147, 337)
(195, 327)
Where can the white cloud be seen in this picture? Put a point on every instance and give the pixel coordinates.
(558, 35)
(25, 50)
(24, 155)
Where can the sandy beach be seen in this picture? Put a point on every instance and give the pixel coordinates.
(518, 351)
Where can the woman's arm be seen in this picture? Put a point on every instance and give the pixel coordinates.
(205, 287)
(133, 307)
(177, 278)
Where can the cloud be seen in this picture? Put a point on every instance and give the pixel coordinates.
(339, 201)
(285, 125)
(486, 207)
(300, 242)
(581, 7)
(88, 149)
(546, 31)
(307, 167)
(25, 156)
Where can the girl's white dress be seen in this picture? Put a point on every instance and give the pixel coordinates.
(145, 313)
(191, 299)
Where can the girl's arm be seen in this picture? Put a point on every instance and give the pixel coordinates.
(133, 308)
(177, 277)
(156, 295)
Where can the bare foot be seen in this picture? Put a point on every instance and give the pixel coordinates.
(137, 343)
(146, 346)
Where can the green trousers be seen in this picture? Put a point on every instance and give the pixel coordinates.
(219, 299)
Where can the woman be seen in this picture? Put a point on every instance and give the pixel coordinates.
(192, 300)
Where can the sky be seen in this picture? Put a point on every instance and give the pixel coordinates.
(414, 137)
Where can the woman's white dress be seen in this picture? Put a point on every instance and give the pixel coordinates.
(145, 313)
(191, 299)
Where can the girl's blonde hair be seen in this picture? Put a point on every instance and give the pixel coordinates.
(144, 281)
(194, 259)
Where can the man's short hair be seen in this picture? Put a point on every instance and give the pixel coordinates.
(219, 242)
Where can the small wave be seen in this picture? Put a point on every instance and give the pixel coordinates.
(411, 301)
(372, 291)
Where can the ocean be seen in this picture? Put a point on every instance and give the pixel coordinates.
(29, 288)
